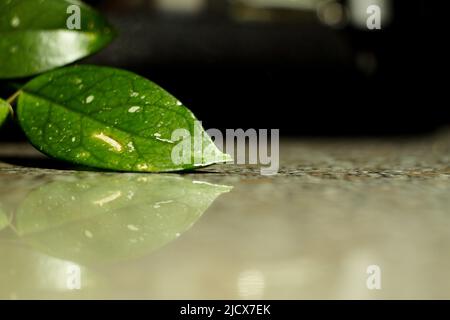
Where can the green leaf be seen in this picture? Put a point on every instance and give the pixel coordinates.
(92, 218)
(110, 119)
(34, 35)
(5, 111)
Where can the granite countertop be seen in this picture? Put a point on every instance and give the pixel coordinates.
(226, 232)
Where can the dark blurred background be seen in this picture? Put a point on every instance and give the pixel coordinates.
(307, 67)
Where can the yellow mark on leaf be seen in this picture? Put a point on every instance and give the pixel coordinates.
(113, 143)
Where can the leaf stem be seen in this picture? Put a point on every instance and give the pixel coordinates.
(11, 100)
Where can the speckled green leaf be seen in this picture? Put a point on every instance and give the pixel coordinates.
(98, 218)
(111, 119)
(4, 111)
(34, 35)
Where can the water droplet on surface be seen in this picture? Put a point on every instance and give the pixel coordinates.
(83, 155)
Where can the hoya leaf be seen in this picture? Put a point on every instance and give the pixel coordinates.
(110, 217)
(5, 110)
(112, 119)
(36, 36)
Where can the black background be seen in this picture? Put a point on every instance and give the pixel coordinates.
(296, 75)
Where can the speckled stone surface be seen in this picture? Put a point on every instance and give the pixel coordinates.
(335, 208)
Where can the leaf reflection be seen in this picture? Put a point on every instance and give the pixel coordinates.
(93, 218)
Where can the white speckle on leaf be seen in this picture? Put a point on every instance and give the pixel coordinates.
(113, 143)
(134, 109)
(157, 134)
(130, 146)
(134, 94)
(88, 234)
(132, 227)
(164, 140)
(142, 166)
(179, 103)
(15, 22)
(90, 98)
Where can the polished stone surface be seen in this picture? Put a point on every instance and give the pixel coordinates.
(226, 232)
